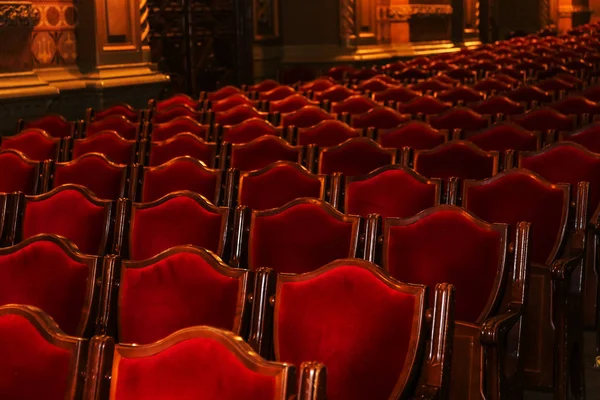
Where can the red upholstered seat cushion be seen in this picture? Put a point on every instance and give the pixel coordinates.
(178, 221)
(183, 144)
(108, 143)
(415, 134)
(506, 137)
(248, 130)
(44, 276)
(31, 368)
(169, 129)
(299, 239)
(357, 156)
(54, 125)
(103, 179)
(327, 133)
(198, 368)
(466, 255)
(261, 152)
(178, 174)
(351, 321)
(177, 292)
(456, 159)
(16, 174)
(517, 197)
(277, 186)
(391, 193)
(63, 214)
(34, 144)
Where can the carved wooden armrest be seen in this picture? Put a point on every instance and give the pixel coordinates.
(563, 267)
(427, 392)
(496, 327)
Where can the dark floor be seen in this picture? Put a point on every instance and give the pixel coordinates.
(592, 375)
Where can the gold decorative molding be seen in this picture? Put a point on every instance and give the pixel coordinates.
(568, 10)
(18, 14)
(348, 21)
(405, 12)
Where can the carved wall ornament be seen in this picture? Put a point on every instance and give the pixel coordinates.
(407, 11)
(18, 15)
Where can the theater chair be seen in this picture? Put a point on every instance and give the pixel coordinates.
(264, 86)
(274, 186)
(35, 144)
(200, 363)
(230, 102)
(490, 275)
(125, 110)
(305, 117)
(259, 153)
(277, 93)
(71, 211)
(395, 95)
(461, 95)
(38, 360)
(335, 94)
(546, 120)
(291, 104)
(324, 134)
(118, 123)
(357, 156)
(237, 115)
(584, 109)
(54, 125)
(588, 137)
(459, 118)
(249, 130)
(530, 95)
(357, 104)
(167, 130)
(181, 173)
(552, 342)
(390, 191)
(423, 106)
(109, 143)
(376, 84)
(371, 331)
(185, 286)
(414, 134)
(94, 171)
(498, 107)
(19, 174)
(221, 94)
(177, 100)
(379, 118)
(299, 237)
(147, 229)
(180, 111)
(180, 145)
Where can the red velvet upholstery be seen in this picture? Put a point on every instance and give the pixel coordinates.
(317, 85)
(263, 151)
(335, 93)
(121, 109)
(182, 144)
(230, 102)
(592, 93)
(277, 185)
(515, 196)
(576, 105)
(177, 100)
(327, 133)
(373, 85)
(237, 115)
(264, 86)
(305, 117)
(461, 74)
(354, 105)
(567, 163)
(17, 173)
(554, 85)
(410, 73)
(189, 370)
(528, 94)
(399, 94)
(491, 85)
(459, 118)
(291, 104)
(447, 245)
(415, 134)
(183, 173)
(178, 125)
(31, 367)
(172, 293)
(178, 219)
(544, 119)
(588, 137)
(42, 275)
(431, 85)
(54, 125)
(278, 93)
(392, 191)
(109, 143)
(363, 74)
(379, 118)
(118, 123)
(461, 93)
(445, 79)
(504, 137)
(33, 143)
(498, 105)
(507, 78)
(457, 159)
(93, 171)
(249, 130)
(223, 93)
(352, 321)
(426, 105)
(180, 111)
(356, 156)
(61, 212)
(300, 237)
(385, 78)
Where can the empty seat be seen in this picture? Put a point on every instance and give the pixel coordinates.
(18, 173)
(354, 105)
(291, 104)
(54, 125)
(109, 143)
(327, 133)
(167, 130)
(335, 93)
(305, 117)
(414, 134)
(498, 105)
(588, 137)
(459, 118)
(357, 156)
(277, 93)
(35, 144)
(249, 130)
(379, 118)
(396, 94)
(125, 110)
(425, 105)
(261, 152)
(118, 123)
(237, 115)
(180, 111)
(182, 144)
(504, 136)
(230, 102)
(177, 100)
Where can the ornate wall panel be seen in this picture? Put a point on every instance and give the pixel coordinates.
(54, 42)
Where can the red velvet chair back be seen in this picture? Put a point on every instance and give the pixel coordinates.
(459, 118)
(61, 211)
(223, 93)
(109, 143)
(576, 105)
(49, 272)
(461, 94)
(491, 85)
(94, 171)
(400, 94)
(461, 74)
(305, 117)
(54, 125)
(238, 114)
(357, 156)
(373, 85)
(354, 105)
(498, 105)
(249, 130)
(181, 173)
(426, 105)
(118, 123)
(180, 111)
(379, 118)
(301, 236)
(317, 85)
(555, 85)
(278, 184)
(125, 110)
(519, 195)
(177, 100)
(182, 287)
(449, 244)
(264, 86)
(35, 144)
(529, 94)
(291, 104)
(263, 151)
(411, 73)
(18, 173)
(182, 144)
(278, 93)
(391, 191)
(592, 93)
(505, 136)
(588, 137)
(545, 119)
(169, 129)
(457, 159)
(507, 78)
(232, 101)
(366, 327)
(431, 85)
(38, 360)
(363, 74)
(415, 134)
(327, 133)
(177, 219)
(335, 93)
